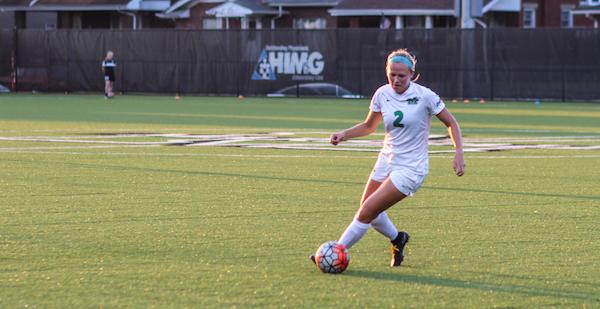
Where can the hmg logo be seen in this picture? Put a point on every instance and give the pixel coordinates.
(297, 61)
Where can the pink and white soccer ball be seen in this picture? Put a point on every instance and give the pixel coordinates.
(332, 258)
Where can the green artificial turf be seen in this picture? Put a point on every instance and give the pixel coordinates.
(212, 226)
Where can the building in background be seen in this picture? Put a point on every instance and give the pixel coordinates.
(590, 10)
(499, 13)
(396, 14)
(306, 14)
(556, 13)
(211, 14)
(84, 14)
(252, 14)
(297, 14)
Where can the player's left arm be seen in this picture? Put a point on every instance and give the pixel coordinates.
(458, 164)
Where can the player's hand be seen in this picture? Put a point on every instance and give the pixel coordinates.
(336, 138)
(458, 164)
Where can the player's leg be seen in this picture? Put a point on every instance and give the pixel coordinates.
(374, 208)
(106, 87)
(378, 177)
(380, 200)
(400, 183)
(111, 93)
(408, 183)
(381, 171)
(370, 187)
(386, 227)
(381, 223)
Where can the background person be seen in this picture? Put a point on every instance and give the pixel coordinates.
(108, 68)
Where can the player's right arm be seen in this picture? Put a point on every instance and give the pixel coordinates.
(364, 128)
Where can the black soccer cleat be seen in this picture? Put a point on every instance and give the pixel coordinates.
(398, 248)
(312, 258)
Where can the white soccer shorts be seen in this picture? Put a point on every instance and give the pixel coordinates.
(404, 179)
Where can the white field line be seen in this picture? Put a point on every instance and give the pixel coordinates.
(265, 140)
(147, 154)
(116, 130)
(543, 137)
(52, 140)
(218, 143)
(150, 131)
(280, 135)
(235, 138)
(81, 136)
(26, 149)
(474, 149)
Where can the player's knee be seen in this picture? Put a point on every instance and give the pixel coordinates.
(366, 215)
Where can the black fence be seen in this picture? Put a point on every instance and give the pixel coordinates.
(559, 64)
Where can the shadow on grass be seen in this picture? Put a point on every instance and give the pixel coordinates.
(474, 285)
(306, 180)
(543, 280)
(586, 197)
(188, 172)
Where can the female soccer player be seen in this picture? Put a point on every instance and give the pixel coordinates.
(403, 163)
(108, 68)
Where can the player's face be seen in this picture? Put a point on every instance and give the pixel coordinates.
(399, 76)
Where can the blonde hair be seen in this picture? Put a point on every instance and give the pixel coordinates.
(406, 54)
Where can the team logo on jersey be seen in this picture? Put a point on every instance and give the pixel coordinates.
(298, 61)
(412, 101)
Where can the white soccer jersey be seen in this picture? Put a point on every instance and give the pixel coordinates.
(407, 119)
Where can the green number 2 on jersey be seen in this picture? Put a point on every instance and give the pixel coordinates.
(399, 115)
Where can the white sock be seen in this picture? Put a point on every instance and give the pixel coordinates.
(384, 225)
(353, 233)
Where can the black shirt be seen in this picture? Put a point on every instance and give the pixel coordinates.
(109, 69)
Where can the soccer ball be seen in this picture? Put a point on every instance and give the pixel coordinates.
(332, 258)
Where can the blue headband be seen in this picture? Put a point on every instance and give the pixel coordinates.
(402, 59)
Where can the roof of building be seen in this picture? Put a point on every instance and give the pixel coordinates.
(239, 8)
(397, 4)
(80, 2)
(186, 4)
(255, 5)
(84, 5)
(394, 7)
(586, 10)
(501, 6)
(586, 6)
(14, 2)
(311, 3)
(229, 8)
